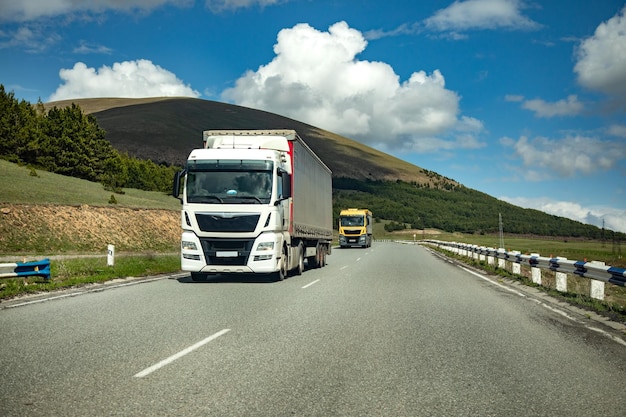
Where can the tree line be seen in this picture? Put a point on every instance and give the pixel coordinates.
(459, 209)
(69, 142)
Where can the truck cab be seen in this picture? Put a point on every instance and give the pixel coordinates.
(355, 228)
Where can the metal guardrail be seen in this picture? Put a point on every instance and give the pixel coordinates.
(24, 269)
(593, 270)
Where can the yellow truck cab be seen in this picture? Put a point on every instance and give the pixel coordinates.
(355, 228)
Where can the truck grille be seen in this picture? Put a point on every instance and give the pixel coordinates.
(220, 222)
(221, 251)
(351, 232)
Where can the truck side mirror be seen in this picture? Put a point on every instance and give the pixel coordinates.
(176, 186)
(286, 178)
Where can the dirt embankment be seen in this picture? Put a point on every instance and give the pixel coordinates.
(51, 229)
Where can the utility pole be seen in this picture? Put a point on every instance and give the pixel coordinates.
(501, 230)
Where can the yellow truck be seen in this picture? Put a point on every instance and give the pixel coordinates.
(355, 228)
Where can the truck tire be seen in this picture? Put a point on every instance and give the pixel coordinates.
(198, 276)
(319, 257)
(281, 274)
(300, 267)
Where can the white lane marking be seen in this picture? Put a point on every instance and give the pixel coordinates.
(358, 259)
(25, 303)
(310, 283)
(553, 309)
(495, 283)
(99, 288)
(180, 354)
(343, 267)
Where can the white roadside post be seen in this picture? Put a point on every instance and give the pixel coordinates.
(535, 272)
(597, 287)
(110, 255)
(561, 277)
(501, 260)
(516, 268)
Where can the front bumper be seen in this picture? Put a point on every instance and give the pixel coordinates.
(230, 255)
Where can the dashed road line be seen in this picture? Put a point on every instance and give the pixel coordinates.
(180, 354)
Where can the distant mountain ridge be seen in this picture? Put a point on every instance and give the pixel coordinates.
(165, 129)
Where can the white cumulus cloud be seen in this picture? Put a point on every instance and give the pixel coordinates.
(599, 216)
(315, 77)
(566, 157)
(131, 79)
(601, 64)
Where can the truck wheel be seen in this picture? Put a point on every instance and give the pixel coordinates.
(300, 267)
(282, 272)
(319, 257)
(198, 276)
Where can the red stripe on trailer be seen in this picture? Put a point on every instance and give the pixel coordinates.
(290, 155)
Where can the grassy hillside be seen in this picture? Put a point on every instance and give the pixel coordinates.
(23, 185)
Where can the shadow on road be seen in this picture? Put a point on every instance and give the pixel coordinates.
(230, 278)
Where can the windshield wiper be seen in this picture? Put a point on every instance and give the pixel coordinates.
(205, 199)
(247, 197)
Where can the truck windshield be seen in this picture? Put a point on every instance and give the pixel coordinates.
(229, 181)
(352, 221)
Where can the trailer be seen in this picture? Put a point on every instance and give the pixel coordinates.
(254, 201)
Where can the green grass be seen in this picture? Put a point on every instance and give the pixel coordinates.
(76, 272)
(25, 185)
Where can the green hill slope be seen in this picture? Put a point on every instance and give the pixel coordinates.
(22, 185)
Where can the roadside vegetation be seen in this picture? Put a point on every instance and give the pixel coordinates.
(81, 271)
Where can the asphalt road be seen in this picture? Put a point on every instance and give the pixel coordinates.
(392, 330)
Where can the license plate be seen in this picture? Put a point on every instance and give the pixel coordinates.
(227, 254)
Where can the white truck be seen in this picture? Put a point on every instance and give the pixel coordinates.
(254, 201)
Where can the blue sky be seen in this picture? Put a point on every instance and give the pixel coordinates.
(524, 100)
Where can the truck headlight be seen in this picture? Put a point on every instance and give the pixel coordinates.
(263, 246)
(186, 245)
